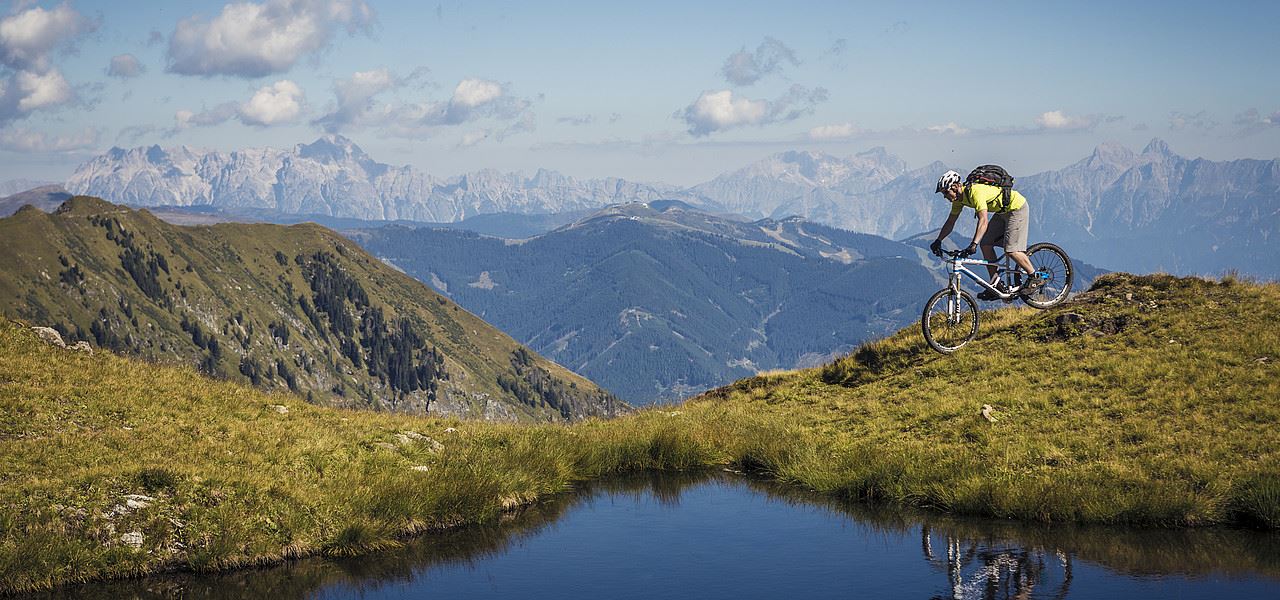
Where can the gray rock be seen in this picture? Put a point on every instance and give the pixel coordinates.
(405, 438)
(133, 539)
(50, 335)
(138, 501)
(988, 413)
(1069, 319)
(82, 346)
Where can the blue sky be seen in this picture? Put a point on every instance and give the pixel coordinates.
(653, 91)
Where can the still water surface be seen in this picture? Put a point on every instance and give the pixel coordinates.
(724, 536)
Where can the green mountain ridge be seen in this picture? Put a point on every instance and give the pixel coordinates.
(298, 308)
(662, 301)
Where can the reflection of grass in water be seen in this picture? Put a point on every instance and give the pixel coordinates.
(373, 571)
(1195, 552)
(1131, 551)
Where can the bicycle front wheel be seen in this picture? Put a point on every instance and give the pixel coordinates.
(1052, 263)
(950, 320)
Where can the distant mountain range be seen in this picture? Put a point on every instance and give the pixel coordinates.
(1137, 211)
(45, 197)
(1157, 211)
(333, 177)
(298, 308)
(13, 186)
(660, 301)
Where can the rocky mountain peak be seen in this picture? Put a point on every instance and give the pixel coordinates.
(1111, 152)
(156, 154)
(332, 149)
(878, 152)
(1157, 147)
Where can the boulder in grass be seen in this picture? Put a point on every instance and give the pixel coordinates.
(50, 335)
(133, 539)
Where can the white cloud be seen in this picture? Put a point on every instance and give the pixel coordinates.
(125, 66)
(354, 98)
(257, 39)
(951, 128)
(28, 37)
(280, 103)
(25, 140)
(1200, 120)
(475, 98)
(720, 110)
(471, 93)
(471, 100)
(41, 90)
(186, 119)
(28, 79)
(1051, 122)
(840, 131)
(577, 120)
(1251, 121)
(746, 68)
(714, 111)
(133, 133)
(1056, 119)
(473, 137)
(275, 104)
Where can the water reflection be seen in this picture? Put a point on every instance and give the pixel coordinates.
(870, 551)
(976, 571)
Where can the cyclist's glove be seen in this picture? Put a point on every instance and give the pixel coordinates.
(969, 251)
(936, 247)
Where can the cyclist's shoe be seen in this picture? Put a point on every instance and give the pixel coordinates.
(989, 295)
(1033, 285)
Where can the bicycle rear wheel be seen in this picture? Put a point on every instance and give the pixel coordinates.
(950, 320)
(1052, 262)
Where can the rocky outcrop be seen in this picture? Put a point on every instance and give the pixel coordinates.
(51, 336)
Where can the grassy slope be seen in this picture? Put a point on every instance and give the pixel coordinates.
(1160, 408)
(216, 273)
(1169, 421)
(236, 482)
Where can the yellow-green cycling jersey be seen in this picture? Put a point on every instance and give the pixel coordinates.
(980, 197)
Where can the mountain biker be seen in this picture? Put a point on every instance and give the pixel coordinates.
(1007, 228)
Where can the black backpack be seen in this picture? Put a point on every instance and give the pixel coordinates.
(993, 175)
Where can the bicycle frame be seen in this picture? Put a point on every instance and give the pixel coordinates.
(1001, 264)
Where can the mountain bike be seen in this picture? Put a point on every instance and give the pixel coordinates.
(950, 317)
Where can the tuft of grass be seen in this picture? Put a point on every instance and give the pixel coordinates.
(156, 479)
(1256, 500)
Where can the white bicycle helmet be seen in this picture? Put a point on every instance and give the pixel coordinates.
(947, 180)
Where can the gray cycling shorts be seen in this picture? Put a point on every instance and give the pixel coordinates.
(1008, 230)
